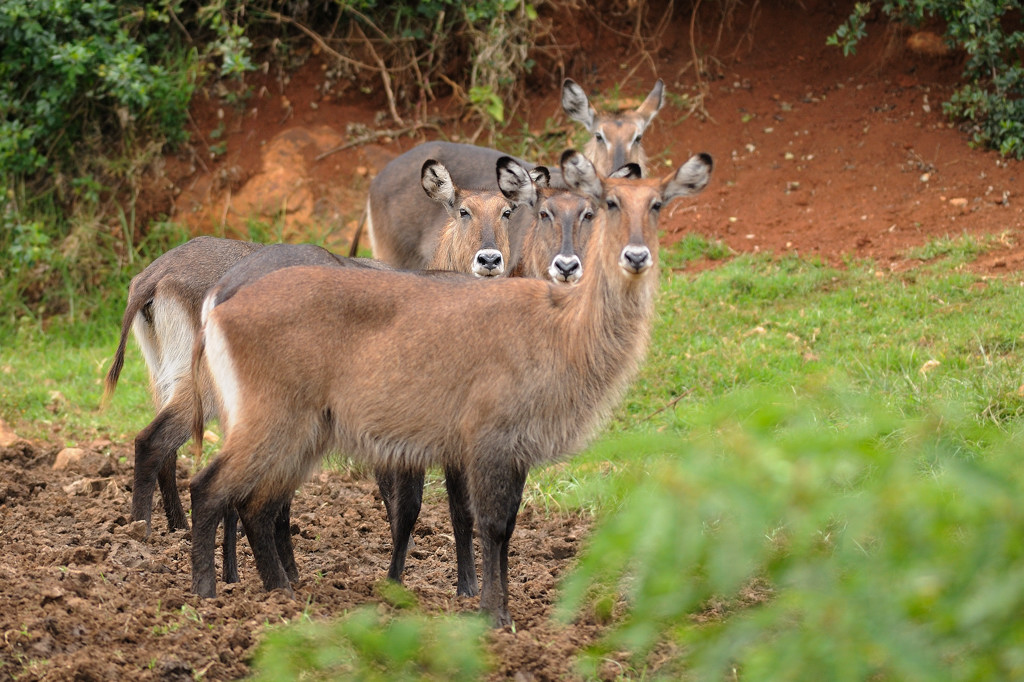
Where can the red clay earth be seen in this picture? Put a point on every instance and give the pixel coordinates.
(816, 154)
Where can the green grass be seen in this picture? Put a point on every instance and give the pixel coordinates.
(53, 379)
(790, 325)
(848, 439)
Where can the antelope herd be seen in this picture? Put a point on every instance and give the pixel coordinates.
(505, 310)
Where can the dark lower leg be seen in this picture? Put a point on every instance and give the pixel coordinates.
(168, 481)
(462, 527)
(283, 540)
(156, 449)
(229, 546)
(259, 522)
(406, 501)
(207, 511)
(496, 498)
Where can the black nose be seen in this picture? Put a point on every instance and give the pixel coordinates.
(636, 258)
(567, 267)
(489, 259)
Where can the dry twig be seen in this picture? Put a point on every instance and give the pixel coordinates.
(376, 135)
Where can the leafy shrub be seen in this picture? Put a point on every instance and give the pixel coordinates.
(70, 70)
(841, 542)
(90, 92)
(989, 32)
(366, 646)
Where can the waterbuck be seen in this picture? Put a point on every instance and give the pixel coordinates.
(559, 234)
(163, 312)
(403, 226)
(424, 382)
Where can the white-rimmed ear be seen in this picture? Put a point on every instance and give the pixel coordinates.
(515, 182)
(437, 183)
(541, 177)
(652, 105)
(631, 171)
(576, 104)
(579, 174)
(691, 178)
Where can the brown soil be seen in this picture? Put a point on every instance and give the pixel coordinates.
(815, 154)
(87, 597)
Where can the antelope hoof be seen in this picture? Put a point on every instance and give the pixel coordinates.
(205, 588)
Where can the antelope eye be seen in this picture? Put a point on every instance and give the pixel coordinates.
(599, 137)
(463, 213)
(544, 215)
(506, 213)
(636, 140)
(588, 215)
(656, 206)
(612, 204)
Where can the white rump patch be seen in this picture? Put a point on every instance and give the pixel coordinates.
(209, 303)
(222, 370)
(369, 228)
(166, 345)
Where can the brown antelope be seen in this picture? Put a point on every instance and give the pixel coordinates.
(615, 137)
(479, 219)
(163, 312)
(423, 382)
(559, 233)
(475, 240)
(403, 226)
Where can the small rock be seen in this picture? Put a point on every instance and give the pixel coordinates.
(68, 458)
(928, 43)
(136, 530)
(51, 594)
(86, 486)
(959, 202)
(7, 435)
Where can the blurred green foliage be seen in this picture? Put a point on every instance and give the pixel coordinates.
(847, 542)
(989, 32)
(365, 645)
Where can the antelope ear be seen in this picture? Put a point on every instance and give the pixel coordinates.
(541, 177)
(691, 178)
(576, 105)
(515, 182)
(438, 184)
(652, 105)
(631, 171)
(579, 174)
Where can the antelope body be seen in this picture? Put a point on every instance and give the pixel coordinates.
(162, 312)
(424, 383)
(164, 302)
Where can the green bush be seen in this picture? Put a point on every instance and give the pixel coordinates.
(72, 70)
(367, 646)
(835, 540)
(991, 102)
(90, 92)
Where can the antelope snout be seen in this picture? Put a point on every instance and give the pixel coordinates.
(488, 263)
(566, 269)
(636, 259)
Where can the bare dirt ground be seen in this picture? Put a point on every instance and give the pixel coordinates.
(815, 154)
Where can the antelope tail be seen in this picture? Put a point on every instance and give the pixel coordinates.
(353, 250)
(198, 412)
